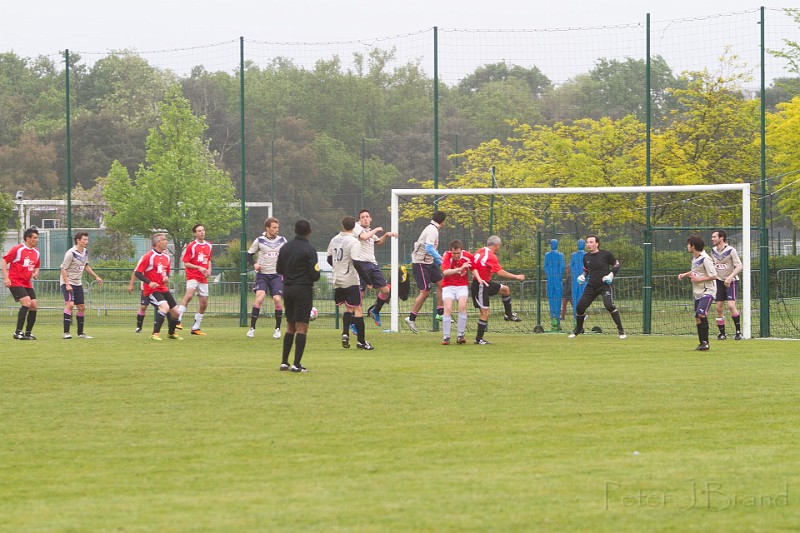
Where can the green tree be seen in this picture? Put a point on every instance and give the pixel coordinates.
(7, 209)
(178, 186)
(783, 138)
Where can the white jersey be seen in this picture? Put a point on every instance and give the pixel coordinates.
(267, 251)
(430, 235)
(702, 266)
(343, 249)
(74, 262)
(725, 261)
(367, 252)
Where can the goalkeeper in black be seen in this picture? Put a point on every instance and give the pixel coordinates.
(599, 269)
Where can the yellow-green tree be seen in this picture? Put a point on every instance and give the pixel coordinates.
(783, 141)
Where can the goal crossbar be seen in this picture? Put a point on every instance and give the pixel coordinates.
(743, 187)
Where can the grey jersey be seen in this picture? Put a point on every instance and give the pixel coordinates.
(74, 262)
(726, 261)
(367, 252)
(702, 266)
(430, 235)
(267, 251)
(343, 249)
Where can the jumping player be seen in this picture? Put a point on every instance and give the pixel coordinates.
(599, 266)
(342, 249)
(728, 266)
(263, 255)
(704, 286)
(367, 265)
(425, 261)
(484, 264)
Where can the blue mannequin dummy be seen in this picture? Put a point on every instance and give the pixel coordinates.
(554, 266)
(575, 270)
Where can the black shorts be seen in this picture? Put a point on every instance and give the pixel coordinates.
(297, 302)
(75, 295)
(272, 283)
(426, 275)
(21, 292)
(143, 300)
(370, 274)
(727, 293)
(350, 296)
(481, 293)
(158, 297)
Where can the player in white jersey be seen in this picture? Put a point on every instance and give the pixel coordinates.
(426, 262)
(75, 262)
(728, 266)
(367, 264)
(263, 255)
(342, 251)
(703, 276)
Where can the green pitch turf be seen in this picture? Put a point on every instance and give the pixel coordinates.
(532, 433)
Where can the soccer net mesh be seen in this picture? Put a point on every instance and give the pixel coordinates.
(527, 219)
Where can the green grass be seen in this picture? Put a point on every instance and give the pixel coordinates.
(531, 433)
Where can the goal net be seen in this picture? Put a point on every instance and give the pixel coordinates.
(640, 302)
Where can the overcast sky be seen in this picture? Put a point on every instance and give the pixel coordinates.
(30, 28)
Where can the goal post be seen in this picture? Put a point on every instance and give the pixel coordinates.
(743, 187)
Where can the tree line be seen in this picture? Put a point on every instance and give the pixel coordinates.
(323, 141)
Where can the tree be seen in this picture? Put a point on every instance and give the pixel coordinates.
(29, 167)
(710, 138)
(178, 186)
(783, 133)
(6, 211)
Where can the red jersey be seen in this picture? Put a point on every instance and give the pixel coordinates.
(155, 267)
(22, 263)
(456, 280)
(197, 253)
(486, 263)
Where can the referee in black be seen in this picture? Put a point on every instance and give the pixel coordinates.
(297, 263)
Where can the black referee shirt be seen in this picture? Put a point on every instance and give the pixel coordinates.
(297, 263)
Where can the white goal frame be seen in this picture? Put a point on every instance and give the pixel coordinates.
(745, 252)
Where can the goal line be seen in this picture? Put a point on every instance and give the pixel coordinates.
(743, 187)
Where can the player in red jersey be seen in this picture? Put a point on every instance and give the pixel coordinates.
(456, 262)
(20, 266)
(153, 271)
(197, 262)
(484, 264)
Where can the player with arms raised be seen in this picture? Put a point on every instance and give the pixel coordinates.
(197, 263)
(367, 265)
(704, 286)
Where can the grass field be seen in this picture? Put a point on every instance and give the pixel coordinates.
(532, 433)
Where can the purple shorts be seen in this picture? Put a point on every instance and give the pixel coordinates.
(269, 282)
(727, 293)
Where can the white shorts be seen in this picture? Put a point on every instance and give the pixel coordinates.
(455, 292)
(201, 288)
